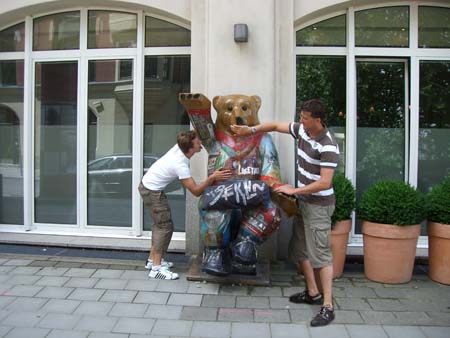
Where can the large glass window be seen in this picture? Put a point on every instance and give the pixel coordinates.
(11, 142)
(12, 39)
(382, 27)
(434, 123)
(110, 109)
(108, 29)
(55, 152)
(434, 27)
(57, 31)
(164, 118)
(160, 33)
(324, 78)
(330, 32)
(108, 116)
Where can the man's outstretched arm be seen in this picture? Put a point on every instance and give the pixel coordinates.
(197, 189)
(240, 130)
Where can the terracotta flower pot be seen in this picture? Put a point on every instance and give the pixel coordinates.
(339, 240)
(389, 251)
(439, 252)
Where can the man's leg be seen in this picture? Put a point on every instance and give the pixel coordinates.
(326, 278)
(147, 199)
(310, 279)
(326, 313)
(317, 232)
(162, 229)
(298, 253)
(155, 257)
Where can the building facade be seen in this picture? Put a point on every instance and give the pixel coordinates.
(88, 101)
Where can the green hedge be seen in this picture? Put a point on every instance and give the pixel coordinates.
(438, 202)
(392, 202)
(345, 198)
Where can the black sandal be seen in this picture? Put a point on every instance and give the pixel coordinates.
(304, 298)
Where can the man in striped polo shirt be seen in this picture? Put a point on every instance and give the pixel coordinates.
(317, 158)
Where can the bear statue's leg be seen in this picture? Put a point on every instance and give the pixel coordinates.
(256, 226)
(215, 233)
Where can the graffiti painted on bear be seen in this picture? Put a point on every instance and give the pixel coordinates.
(235, 195)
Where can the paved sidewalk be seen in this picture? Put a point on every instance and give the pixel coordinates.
(78, 297)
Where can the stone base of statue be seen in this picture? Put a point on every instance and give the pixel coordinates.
(262, 277)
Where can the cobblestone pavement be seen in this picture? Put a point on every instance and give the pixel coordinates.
(77, 297)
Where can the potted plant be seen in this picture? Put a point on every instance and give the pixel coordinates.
(391, 212)
(341, 221)
(438, 228)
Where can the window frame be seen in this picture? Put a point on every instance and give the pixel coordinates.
(82, 55)
(352, 53)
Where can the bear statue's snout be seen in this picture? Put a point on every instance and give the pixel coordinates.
(240, 121)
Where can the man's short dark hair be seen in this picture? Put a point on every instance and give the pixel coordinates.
(185, 140)
(316, 108)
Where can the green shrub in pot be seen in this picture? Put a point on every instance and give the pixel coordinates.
(345, 198)
(438, 202)
(392, 202)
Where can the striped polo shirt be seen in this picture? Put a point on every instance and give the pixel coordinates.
(313, 154)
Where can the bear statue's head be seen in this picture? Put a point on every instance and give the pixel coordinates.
(236, 109)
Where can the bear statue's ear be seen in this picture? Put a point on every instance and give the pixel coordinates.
(216, 100)
(257, 101)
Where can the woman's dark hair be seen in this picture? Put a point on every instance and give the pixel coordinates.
(184, 140)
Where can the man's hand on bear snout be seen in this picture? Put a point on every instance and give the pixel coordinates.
(241, 130)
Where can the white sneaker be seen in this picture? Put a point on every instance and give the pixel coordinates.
(162, 273)
(164, 263)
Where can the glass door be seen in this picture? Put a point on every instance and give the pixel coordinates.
(109, 151)
(55, 142)
(382, 122)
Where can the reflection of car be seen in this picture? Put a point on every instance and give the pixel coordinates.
(111, 175)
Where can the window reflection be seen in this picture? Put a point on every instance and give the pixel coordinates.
(12, 39)
(381, 123)
(108, 29)
(324, 77)
(160, 33)
(330, 32)
(164, 117)
(55, 161)
(57, 31)
(434, 123)
(382, 27)
(434, 27)
(11, 142)
(110, 120)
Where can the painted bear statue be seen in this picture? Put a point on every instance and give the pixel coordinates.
(237, 215)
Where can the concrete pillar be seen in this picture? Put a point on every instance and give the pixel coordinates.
(263, 66)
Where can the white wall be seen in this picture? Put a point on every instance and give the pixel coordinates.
(264, 66)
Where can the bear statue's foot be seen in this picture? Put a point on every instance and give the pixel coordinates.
(216, 262)
(243, 250)
(243, 269)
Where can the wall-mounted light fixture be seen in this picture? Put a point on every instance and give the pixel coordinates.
(98, 105)
(240, 32)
